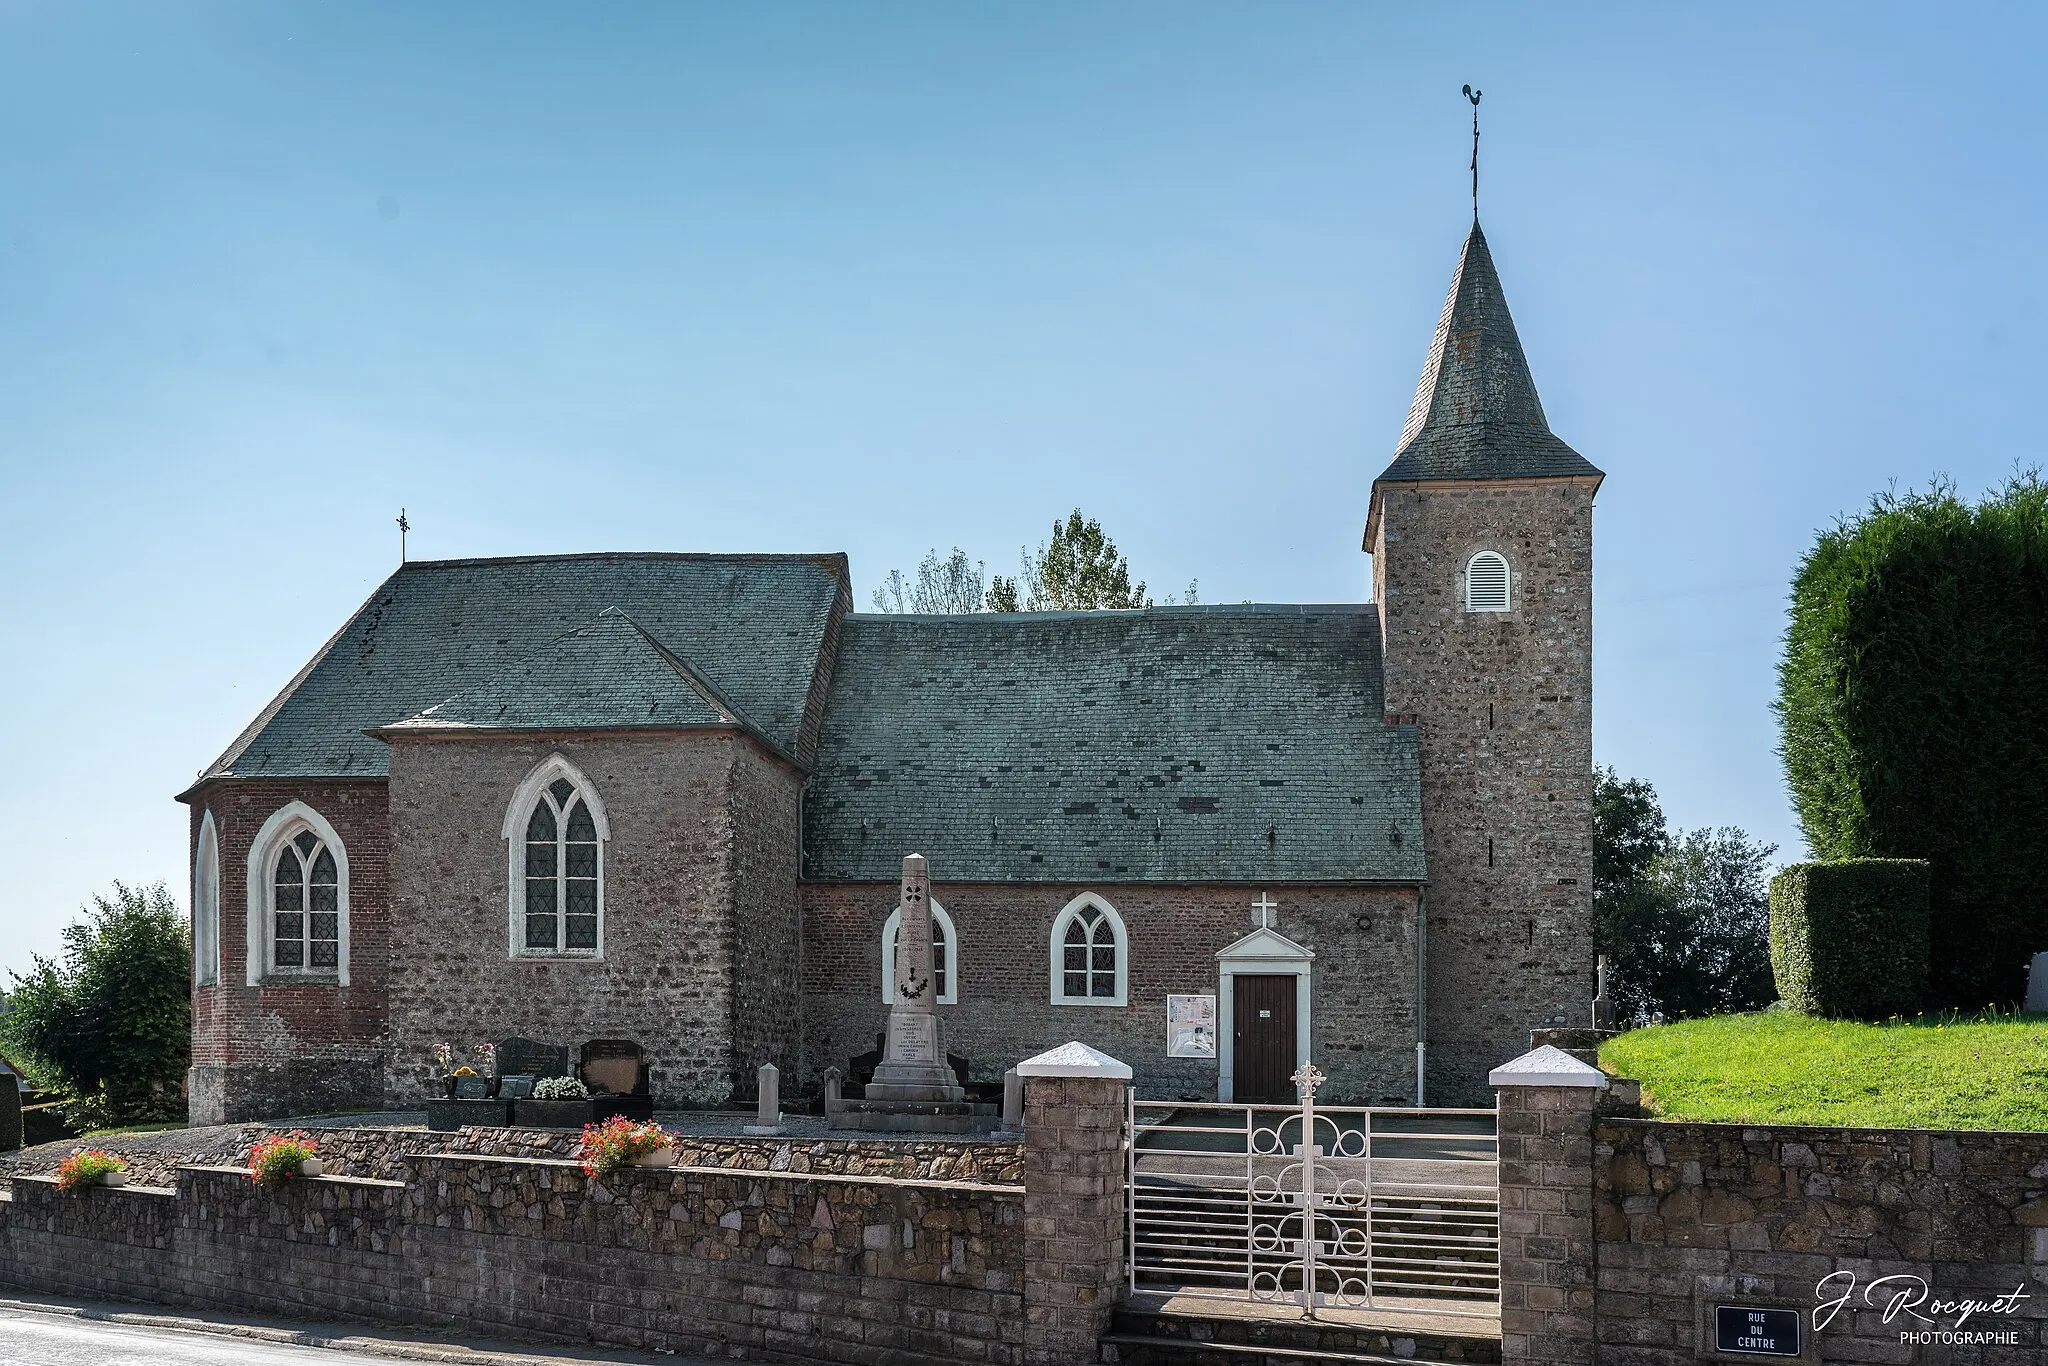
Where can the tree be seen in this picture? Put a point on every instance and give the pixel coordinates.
(1913, 723)
(1079, 569)
(1684, 922)
(944, 587)
(111, 1024)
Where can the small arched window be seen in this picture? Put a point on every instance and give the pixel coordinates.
(1090, 956)
(556, 831)
(298, 900)
(206, 905)
(945, 956)
(1486, 583)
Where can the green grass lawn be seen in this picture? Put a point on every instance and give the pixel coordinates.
(1983, 1071)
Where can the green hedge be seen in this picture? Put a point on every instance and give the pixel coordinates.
(1914, 720)
(1849, 940)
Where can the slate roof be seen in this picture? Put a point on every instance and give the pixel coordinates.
(1115, 746)
(1476, 414)
(610, 674)
(750, 626)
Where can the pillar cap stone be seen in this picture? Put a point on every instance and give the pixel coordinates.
(1547, 1066)
(1075, 1059)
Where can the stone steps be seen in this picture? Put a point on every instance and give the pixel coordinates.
(1150, 1335)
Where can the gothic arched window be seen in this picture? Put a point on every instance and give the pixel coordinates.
(298, 900)
(206, 905)
(945, 956)
(557, 832)
(1090, 957)
(1486, 582)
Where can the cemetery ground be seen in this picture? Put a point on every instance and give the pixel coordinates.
(1983, 1071)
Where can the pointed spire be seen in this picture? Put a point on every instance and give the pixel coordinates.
(1476, 414)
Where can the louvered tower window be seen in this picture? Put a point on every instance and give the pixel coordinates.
(1486, 583)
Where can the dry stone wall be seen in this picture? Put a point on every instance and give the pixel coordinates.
(857, 1252)
(1690, 1215)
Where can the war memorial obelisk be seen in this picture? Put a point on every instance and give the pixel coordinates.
(913, 1088)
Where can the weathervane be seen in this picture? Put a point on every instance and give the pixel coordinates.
(403, 527)
(1473, 95)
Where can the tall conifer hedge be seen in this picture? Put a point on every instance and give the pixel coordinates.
(1913, 711)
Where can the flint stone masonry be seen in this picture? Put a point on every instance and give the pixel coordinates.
(1504, 706)
(703, 836)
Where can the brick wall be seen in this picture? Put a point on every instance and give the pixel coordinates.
(801, 1266)
(665, 979)
(1503, 701)
(272, 1050)
(1362, 987)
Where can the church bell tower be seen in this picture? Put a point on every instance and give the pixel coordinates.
(1481, 537)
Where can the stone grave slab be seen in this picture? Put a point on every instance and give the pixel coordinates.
(530, 1057)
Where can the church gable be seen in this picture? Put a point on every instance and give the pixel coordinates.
(1209, 744)
(750, 628)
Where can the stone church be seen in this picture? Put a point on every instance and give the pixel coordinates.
(665, 798)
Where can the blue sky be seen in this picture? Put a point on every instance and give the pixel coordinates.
(886, 277)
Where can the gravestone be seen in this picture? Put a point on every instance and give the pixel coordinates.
(2037, 983)
(612, 1067)
(519, 1057)
(517, 1088)
(1603, 1003)
(768, 1107)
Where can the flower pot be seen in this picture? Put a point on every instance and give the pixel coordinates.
(660, 1157)
(311, 1166)
(114, 1179)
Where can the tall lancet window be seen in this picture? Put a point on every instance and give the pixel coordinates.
(556, 829)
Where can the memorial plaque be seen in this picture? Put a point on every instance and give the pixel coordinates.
(516, 1088)
(529, 1057)
(1756, 1332)
(913, 1038)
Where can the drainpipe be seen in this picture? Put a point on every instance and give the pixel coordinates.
(1421, 996)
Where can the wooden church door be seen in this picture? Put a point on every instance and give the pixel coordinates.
(1262, 1039)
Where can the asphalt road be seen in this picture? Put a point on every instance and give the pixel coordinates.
(44, 1340)
(28, 1338)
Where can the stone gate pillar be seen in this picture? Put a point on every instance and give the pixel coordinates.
(1546, 1099)
(1073, 1201)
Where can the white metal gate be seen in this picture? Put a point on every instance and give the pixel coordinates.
(1315, 1205)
